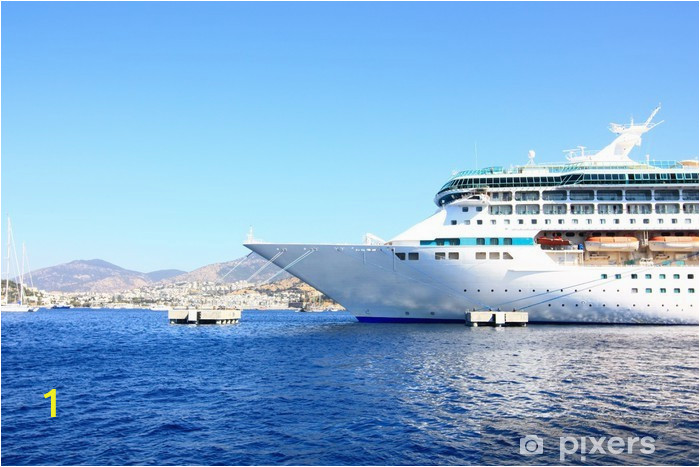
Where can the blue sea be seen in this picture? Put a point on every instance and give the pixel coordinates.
(322, 389)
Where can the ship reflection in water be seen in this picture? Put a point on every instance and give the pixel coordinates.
(320, 388)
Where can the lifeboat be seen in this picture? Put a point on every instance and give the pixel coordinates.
(553, 241)
(685, 243)
(612, 244)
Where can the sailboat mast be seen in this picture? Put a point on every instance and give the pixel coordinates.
(7, 270)
(21, 276)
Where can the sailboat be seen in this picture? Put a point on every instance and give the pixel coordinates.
(19, 305)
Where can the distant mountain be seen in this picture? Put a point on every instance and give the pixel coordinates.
(157, 276)
(224, 271)
(93, 275)
(97, 275)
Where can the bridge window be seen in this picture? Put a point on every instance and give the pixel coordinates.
(480, 241)
(465, 209)
(690, 194)
(581, 195)
(401, 256)
(555, 195)
(667, 208)
(609, 195)
(494, 255)
(440, 255)
(507, 255)
(507, 241)
(493, 241)
(638, 195)
(453, 255)
(666, 195)
(413, 256)
(453, 222)
(481, 255)
(527, 195)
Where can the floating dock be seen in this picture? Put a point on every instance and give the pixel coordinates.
(496, 318)
(199, 316)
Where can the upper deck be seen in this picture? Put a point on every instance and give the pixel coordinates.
(609, 166)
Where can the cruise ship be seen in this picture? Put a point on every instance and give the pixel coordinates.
(597, 238)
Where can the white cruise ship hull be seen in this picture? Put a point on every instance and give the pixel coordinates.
(375, 286)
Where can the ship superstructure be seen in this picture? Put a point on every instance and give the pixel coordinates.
(600, 238)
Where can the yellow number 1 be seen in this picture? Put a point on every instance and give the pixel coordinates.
(52, 395)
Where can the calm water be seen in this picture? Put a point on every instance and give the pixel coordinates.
(320, 388)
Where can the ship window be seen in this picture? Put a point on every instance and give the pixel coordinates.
(676, 276)
(493, 221)
(453, 222)
(481, 255)
(691, 290)
(662, 276)
(633, 221)
(610, 209)
(635, 290)
(647, 276)
(465, 209)
(520, 221)
(527, 209)
(413, 256)
(609, 195)
(618, 276)
(494, 255)
(633, 276)
(582, 209)
(401, 256)
(676, 290)
(479, 222)
(493, 241)
(560, 221)
(690, 194)
(667, 208)
(603, 276)
(581, 195)
(570, 234)
(645, 221)
(502, 196)
(480, 241)
(453, 255)
(556, 195)
(666, 195)
(691, 276)
(501, 209)
(479, 209)
(440, 255)
(507, 255)
(507, 241)
(527, 195)
(690, 208)
(554, 209)
(467, 222)
(639, 208)
(506, 221)
(638, 195)
(662, 290)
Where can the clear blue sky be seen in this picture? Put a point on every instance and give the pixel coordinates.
(152, 135)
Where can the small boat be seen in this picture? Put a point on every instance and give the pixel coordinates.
(612, 244)
(553, 241)
(684, 243)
